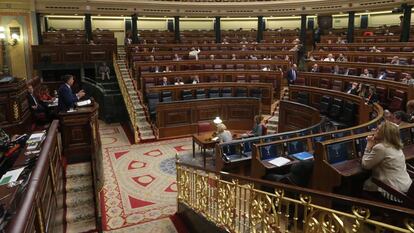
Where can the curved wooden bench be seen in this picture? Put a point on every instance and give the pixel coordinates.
(367, 57)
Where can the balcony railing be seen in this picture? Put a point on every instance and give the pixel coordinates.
(237, 204)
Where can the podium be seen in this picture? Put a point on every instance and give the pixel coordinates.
(80, 136)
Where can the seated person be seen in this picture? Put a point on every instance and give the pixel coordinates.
(267, 58)
(176, 57)
(104, 71)
(400, 118)
(294, 48)
(67, 98)
(315, 68)
(353, 89)
(233, 57)
(374, 49)
(366, 74)
(388, 116)
(44, 95)
(164, 81)
(253, 57)
(382, 74)
(408, 79)
(36, 106)
(244, 48)
(178, 81)
(329, 58)
(371, 95)
(384, 156)
(340, 41)
(223, 134)
(388, 33)
(212, 57)
(195, 79)
(395, 60)
(341, 58)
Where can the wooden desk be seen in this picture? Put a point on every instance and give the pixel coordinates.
(78, 129)
(181, 118)
(204, 141)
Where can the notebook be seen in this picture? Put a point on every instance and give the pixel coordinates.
(279, 161)
(302, 156)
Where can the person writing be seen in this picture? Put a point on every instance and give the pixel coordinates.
(223, 134)
(384, 156)
(67, 99)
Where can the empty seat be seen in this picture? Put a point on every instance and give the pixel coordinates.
(348, 113)
(303, 98)
(337, 85)
(186, 95)
(226, 92)
(213, 93)
(325, 104)
(213, 79)
(335, 110)
(166, 96)
(397, 101)
(324, 83)
(241, 78)
(153, 100)
(241, 92)
(256, 93)
(200, 94)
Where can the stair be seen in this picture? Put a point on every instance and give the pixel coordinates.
(80, 206)
(273, 121)
(132, 97)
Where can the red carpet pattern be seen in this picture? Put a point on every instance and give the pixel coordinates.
(140, 183)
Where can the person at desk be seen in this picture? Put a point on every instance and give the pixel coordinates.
(258, 126)
(223, 134)
(384, 156)
(67, 99)
(36, 106)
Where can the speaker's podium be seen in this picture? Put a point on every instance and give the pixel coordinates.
(80, 136)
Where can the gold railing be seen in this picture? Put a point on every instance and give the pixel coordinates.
(232, 202)
(127, 99)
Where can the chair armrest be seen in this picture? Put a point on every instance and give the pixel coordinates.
(391, 190)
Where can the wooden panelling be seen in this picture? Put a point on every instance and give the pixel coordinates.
(181, 118)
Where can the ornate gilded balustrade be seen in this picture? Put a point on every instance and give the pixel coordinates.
(236, 204)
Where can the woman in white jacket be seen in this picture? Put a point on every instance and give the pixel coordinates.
(384, 156)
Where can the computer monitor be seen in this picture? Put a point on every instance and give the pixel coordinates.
(405, 135)
(270, 151)
(339, 152)
(296, 146)
(360, 144)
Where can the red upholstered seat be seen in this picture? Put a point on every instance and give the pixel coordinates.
(204, 127)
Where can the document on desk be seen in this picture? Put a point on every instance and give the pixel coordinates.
(279, 161)
(83, 103)
(11, 176)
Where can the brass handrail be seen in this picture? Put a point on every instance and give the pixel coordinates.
(232, 202)
(127, 99)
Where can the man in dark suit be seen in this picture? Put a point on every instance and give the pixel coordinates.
(40, 111)
(67, 99)
(292, 74)
(353, 89)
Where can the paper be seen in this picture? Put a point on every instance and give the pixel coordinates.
(11, 176)
(36, 137)
(83, 103)
(279, 161)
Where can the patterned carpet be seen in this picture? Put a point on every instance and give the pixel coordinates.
(140, 192)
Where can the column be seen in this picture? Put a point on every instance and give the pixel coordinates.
(88, 27)
(39, 28)
(405, 29)
(260, 28)
(177, 28)
(217, 29)
(46, 24)
(134, 29)
(351, 26)
(302, 36)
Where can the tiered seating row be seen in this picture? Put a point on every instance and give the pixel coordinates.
(368, 57)
(77, 37)
(384, 47)
(394, 72)
(391, 94)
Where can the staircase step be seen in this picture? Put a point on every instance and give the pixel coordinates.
(79, 183)
(78, 169)
(80, 198)
(85, 226)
